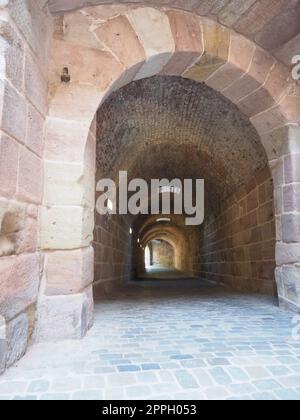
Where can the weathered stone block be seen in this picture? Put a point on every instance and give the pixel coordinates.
(292, 168)
(12, 55)
(60, 141)
(9, 153)
(12, 109)
(256, 76)
(17, 339)
(19, 283)
(269, 120)
(93, 66)
(64, 184)
(35, 83)
(35, 131)
(187, 34)
(153, 30)
(283, 141)
(291, 227)
(64, 227)
(216, 51)
(68, 272)
(291, 198)
(3, 344)
(287, 253)
(118, 35)
(63, 317)
(232, 11)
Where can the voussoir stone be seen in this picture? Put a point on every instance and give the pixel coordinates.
(19, 283)
(187, 33)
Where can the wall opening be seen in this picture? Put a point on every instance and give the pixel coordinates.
(151, 128)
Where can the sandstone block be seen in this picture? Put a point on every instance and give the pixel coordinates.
(17, 339)
(68, 272)
(216, 51)
(9, 155)
(66, 227)
(30, 179)
(63, 317)
(19, 283)
(154, 32)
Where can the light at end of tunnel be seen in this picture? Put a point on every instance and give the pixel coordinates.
(138, 241)
(163, 219)
(110, 204)
(130, 231)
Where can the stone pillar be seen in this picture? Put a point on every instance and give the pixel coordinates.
(65, 308)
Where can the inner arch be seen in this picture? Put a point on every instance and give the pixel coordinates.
(171, 127)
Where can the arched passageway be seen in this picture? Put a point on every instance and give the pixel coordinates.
(171, 128)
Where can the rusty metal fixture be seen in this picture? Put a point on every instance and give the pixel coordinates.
(65, 76)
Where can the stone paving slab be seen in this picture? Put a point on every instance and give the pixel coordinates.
(192, 341)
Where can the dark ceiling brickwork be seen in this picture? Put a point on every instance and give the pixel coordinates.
(172, 127)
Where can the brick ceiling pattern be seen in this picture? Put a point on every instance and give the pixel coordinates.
(175, 128)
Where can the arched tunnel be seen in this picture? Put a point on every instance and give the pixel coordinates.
(170, 128)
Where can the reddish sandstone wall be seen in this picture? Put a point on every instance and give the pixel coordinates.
(237, 247)
(163, 254)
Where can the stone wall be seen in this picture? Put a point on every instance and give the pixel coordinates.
(238, 246)
(112, 244)
(25, 32)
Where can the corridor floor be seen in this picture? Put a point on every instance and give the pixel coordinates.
(163, 339)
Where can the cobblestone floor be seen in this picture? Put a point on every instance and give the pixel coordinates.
(168, 340)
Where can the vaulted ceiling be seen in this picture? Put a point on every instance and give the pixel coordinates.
(170, 127)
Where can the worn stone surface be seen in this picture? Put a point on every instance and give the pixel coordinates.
(63, 317)
(17, 339)
(20, 277)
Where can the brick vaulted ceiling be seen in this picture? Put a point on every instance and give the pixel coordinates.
(172, 127)
(272, 24)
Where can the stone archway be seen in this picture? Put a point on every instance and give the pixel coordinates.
(102, 56)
